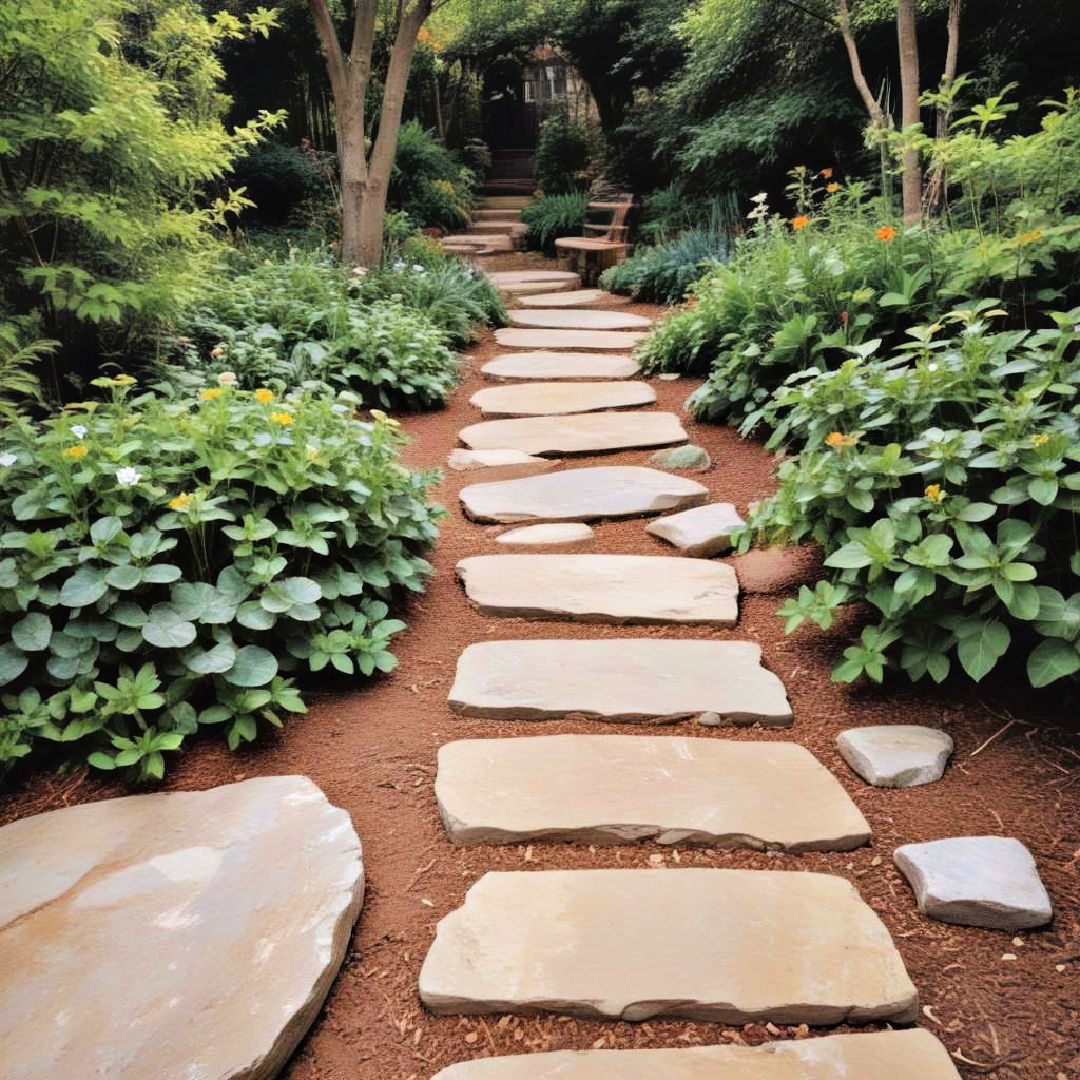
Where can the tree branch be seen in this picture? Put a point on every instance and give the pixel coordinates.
(335, 59)
(873, 106)
(809, 11)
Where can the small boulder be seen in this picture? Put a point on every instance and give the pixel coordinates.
(468, 460)
(701, 532)
(691, 458)
(896, 755)
(987, 881)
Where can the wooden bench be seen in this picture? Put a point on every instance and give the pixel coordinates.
(602, 245)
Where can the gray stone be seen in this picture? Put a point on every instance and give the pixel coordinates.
(581, 433)
(563, 366)
(174, 935)
(631, 680)
(976, 881)
(579, 319)
(729, 946)
(569, 534)
(602, 588)
(701, 532)
(682, 457)
(517, 337)
(669, 376)
(911, 1054)
(469, 460)
(614, 789)
(560, 399)
(896, 755)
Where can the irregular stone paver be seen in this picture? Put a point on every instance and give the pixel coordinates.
(610, 789)
(613, 491)
(602, 340)
(682, 457)
(602, 588)
(911, 1054)
(564, 366)
(732, 946)
(896, 755)
(574, 298)
(700, 532)
(510, 277)
(536, 288)
(486, 242)
(568, 534)
(560, 399)
(976, 881)
(173, 935)
(571, 319)
(579, 433)
(469, 460)
(618, 679)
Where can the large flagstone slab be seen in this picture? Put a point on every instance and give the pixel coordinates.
(910, 1054)
(611, 491)
(580, 433)
(578, 319)
(619, 679)
(611, 789)
(564, 366)
(536, 288)
(602, 588)
(509, 277)
(522, 337)
(560, 399)
(574, 298)
(731, 946)
(173, 935)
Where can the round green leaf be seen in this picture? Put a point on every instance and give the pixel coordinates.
(12, 664)
(167, 629)
(86, 586)
(33, 632)
(254, 667)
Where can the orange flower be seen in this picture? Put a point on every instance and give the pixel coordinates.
(839, 441)
(826, 173)
(263, 395)
(885, 233)
(832, 188)
(800, 222)
(935, 494)
(1030, 237)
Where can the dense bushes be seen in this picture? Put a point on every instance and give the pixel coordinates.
(428, 182)
(662, 274)
(553, 216)
(166, 564)
(562, 155)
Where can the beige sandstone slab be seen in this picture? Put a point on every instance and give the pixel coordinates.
(603, 340)
(568, 534)
(560, 399)
(612, 491)
(910, 1054)
(469, 460)
(701, 532)
(579, 433)
(731, 946)
(610, 789)
(619, 679)
(565, 366)
(574, 298)
(535, 288)
(579, 319)
(602, 588)
(505, 277)
(173, 935)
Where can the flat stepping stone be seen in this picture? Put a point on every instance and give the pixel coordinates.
(470, 460)
(574, 299)
(581, 433)
(910, 1054)
(896, 755)
(730, 946)
(560, 535)
(611, 789)
(174, 934)
(612, 491)
(631, 680)
(489, 242)
(509, 277)
(602, 340)
(560, 399)
(698, 533)
(535, 288)
(569, 319)
(987, 881)
(602, 588)
(565, 366)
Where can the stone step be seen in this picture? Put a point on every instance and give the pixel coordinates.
(488, 243)
(560, 399)
(531, 288)
(622, 589)
(575, 299)
(483, 228)
(614, 789)
(580, 433)
(502, 277)
(911, 1054)
(579, 319)
(564, 535)
(520, 337)
(496, 214)
(565, 366)
(504, 202)
(729, 946)
(470, 460)
(625, 680)
(613, 491)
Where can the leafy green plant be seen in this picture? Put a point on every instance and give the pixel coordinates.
(562, 155)
(662, 274)
(553, 216)
(171, 564)
(428, 182)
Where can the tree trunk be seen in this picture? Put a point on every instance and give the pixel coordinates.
(911, 180)
(935, 196)
(873, 106)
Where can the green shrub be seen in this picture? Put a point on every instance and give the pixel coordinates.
(553, 216)
(663, 274)
(562, 155)
(169, 564)
(428, 182)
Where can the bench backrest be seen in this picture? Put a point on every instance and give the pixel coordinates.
(615, 229)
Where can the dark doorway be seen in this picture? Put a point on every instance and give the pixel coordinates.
(510, 122)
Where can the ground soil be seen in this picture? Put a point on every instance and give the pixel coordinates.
(1008, 1008)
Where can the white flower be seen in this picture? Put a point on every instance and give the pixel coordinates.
(339, 408)
(7, 460)
(359, 271)
(418, 268)
(760, 197)
(931, 367)
(78, 430)
(127, 476)
(227, 378)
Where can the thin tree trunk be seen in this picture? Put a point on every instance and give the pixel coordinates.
(873, 106)
(935, 195)
(911, 179)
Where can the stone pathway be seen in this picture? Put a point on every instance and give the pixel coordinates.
(573, 299)
(580, 433)
(603, 340)
(584, 319)
(568, 366)
(554, 399)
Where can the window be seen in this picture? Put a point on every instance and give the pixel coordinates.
(530, 91)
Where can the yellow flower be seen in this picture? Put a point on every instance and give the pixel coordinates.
(839, 441)
(381, 418)
(1040, 440)
(1029, 237)
(935, 494)
(833, 188)
(263, 395)
(885, 234)
(210, 393)
(77, 451)
(800, 222)
(123, 380)
(182, 501)
(281, 417)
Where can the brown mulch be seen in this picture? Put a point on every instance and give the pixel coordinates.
(1008, 1006)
